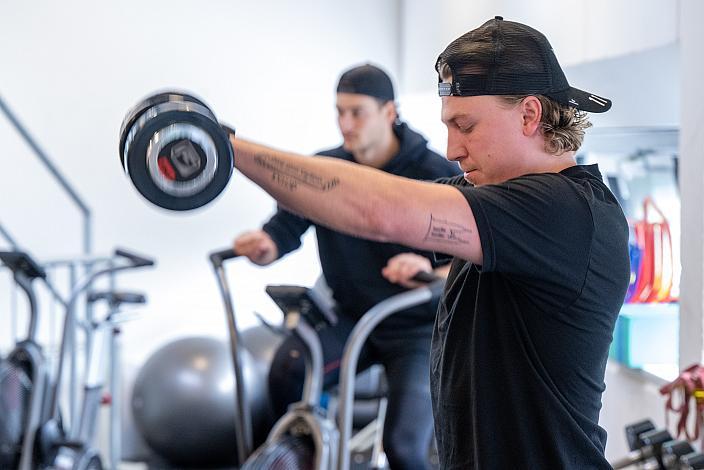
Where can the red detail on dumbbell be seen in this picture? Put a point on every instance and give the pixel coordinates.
(166, 168)
(106, 399)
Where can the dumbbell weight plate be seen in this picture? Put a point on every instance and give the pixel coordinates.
(162, 97)
(175, 152)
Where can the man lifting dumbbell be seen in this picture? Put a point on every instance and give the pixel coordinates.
(354, 269)
(540, 251)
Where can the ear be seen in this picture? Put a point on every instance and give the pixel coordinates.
(531, 113)
(390, 112)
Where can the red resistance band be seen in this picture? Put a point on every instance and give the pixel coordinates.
(690, 386)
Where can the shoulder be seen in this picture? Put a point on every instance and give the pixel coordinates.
(545, 186)
(541, 196)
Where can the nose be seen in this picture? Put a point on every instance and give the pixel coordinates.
(455, 151)
(345, 122)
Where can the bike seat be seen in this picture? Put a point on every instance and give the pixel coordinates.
(311, 305)
(19, 261)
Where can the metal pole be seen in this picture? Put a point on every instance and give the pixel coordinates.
(44, 158)
(353, 348)
(116, 395)
(243, 421)
(87, 221)
(13, 311)
(52, 314)
(13, 289)
(115, 384)
(8, 237)
(71, 340)
(313, 357)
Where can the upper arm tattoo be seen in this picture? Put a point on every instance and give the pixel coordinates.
(440, 230)
(290, 176)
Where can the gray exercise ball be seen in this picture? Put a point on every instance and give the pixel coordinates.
(183, 400)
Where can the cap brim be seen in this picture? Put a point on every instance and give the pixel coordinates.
(582, 100)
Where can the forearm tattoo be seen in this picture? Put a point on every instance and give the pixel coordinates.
(289, 176)
(440, 230)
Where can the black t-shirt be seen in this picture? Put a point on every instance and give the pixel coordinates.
(351, 265)
(520, 343)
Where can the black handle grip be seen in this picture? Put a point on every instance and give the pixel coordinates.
(136, 259)
(426, 277)
(217, 257)
(117, 298)
(435, 283)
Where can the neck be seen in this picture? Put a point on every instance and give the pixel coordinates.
(542, 162)
(562, 162)
(378, 156)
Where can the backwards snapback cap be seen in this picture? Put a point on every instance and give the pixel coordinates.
(367, 80)
(507, 58)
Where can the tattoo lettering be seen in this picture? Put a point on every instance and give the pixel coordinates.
(440, 230)
(284, 180)
(290, 176)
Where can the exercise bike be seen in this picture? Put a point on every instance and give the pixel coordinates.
(46, 441)
(24, 378)
(305, 437)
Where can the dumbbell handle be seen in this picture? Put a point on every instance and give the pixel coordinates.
(228, 129)
(633, 457)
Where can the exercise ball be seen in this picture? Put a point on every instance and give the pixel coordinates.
(183, 400)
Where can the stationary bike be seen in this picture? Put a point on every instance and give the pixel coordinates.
(24, 378)
(74, 449)
(305, 438)
(41, 439)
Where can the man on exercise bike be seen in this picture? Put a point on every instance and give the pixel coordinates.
(362, 273)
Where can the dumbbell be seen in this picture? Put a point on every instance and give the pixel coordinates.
(673, 451)
(692, 461)
(633, 431)
(652, 442)
(175, 151)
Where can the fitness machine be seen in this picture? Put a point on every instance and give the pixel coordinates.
(304, 437)
(45, 440)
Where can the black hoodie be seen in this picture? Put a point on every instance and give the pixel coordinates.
(352, 266)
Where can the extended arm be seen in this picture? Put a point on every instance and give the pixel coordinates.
(364, 202)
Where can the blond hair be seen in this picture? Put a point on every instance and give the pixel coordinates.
(562, 126)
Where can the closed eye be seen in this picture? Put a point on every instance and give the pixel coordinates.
(465, 129)
(463, 124)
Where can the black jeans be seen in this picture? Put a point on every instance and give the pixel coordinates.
(409, 419)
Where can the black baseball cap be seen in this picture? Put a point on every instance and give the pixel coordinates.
(368, 80)
(508, 58)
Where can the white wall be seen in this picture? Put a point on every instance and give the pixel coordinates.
(578, 31)
(692, 184)
(631, 396)
(71, 69)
